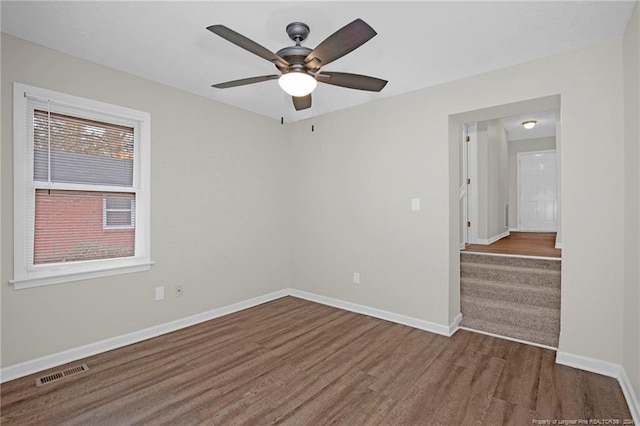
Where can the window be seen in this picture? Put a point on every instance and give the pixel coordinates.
(118, 212)
(81, 188)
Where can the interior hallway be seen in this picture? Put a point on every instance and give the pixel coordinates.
(521, 243)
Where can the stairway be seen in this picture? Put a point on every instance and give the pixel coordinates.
(511, 296)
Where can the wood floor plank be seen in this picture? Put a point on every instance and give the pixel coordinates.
(541, 244)
(477, 387)
(339, 395)
(422, 399)
(293, 362)
(505, 413)
(521, 376)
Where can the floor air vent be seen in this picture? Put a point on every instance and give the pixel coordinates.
(59, 375)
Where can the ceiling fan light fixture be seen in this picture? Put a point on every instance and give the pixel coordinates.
(529, 124)
(297, 83)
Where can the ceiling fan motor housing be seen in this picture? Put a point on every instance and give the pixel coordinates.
(298, 31)
(294, 55)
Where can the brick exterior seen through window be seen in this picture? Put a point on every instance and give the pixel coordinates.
(69, 227)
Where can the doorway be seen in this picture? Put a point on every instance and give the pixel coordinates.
(510, 266)
(509, 177)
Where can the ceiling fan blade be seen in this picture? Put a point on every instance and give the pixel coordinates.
(244, 81)
(247, 44)
(338, 44)
(352, 81)
(301, 102)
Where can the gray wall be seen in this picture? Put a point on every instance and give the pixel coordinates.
(355, 175)
(631, 296)
(220, 191)
(493, 184)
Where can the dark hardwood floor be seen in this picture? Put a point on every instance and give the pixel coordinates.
(295, 362)
(521, 243)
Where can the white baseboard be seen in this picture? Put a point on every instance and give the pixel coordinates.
(630, 396)
(455, 324)
(577, 361)
(445, 330)
(49, 361)
(511, 339)
(605, 368)
(493, 239)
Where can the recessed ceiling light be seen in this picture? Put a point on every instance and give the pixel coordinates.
(529, 124)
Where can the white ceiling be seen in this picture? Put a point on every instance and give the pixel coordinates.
(545, 126)
(419, 43)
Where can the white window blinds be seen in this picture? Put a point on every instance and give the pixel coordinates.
(75, 150)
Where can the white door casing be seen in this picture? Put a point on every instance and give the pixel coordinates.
(463, 192)
(468, 186)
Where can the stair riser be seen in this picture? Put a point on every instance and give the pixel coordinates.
(533, 278)
(544, 297)
(553, 265)
(535, 336)
(512, 316)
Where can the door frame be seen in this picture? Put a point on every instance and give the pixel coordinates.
(469, 192)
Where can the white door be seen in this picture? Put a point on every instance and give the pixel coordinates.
(468, 184)
(537, 202)
(463, 191)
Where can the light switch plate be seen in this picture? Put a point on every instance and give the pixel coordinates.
(415, 204)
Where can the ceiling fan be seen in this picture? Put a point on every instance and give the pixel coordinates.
(299, 66)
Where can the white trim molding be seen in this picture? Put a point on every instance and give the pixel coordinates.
(512, 339)
(455, 324)
(630, 396)
(493, 239)
(605, 368)
(49, 361)
(445, 330)
(74, 354)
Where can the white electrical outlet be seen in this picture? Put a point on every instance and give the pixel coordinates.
(159, 293)
(179, 290)
(415, 204)
(356, 277)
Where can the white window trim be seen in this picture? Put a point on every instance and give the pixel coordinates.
(105, 210)
(26, 275)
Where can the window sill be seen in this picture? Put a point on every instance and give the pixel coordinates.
(73, 274)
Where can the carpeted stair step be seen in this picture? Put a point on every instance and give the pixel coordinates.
(527, 334)
(511, 292)
(511, 315)
(516, 297)
(511, 274)
(526, 262)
